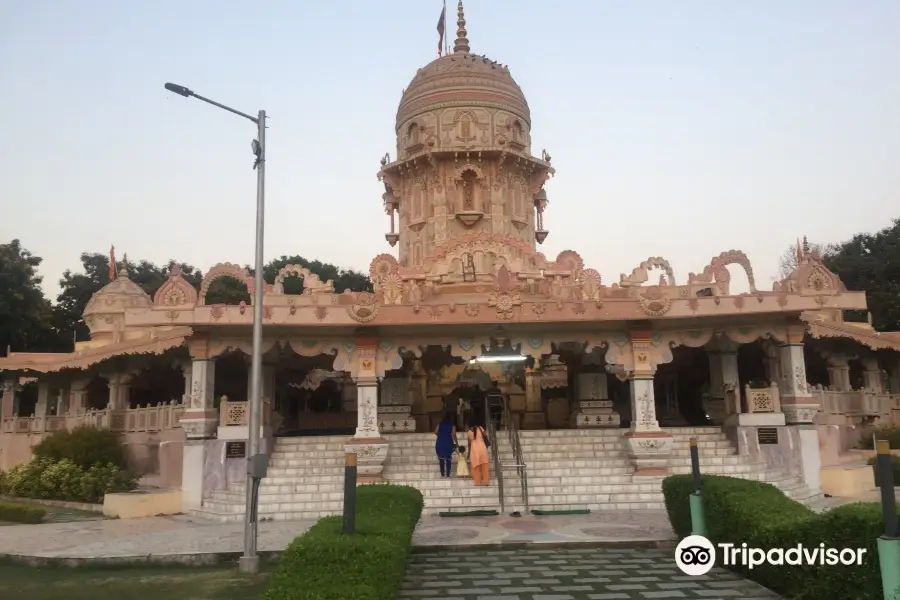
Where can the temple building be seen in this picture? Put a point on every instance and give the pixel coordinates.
(603, 379)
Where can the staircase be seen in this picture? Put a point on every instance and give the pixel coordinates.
(590, 469)
(305, 481)
(567, 469)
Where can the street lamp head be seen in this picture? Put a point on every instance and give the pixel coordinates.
(179, 89)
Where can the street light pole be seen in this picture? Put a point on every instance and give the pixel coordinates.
(256, 462)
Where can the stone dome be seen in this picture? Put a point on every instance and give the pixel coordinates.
(117, 296)
(461, 79)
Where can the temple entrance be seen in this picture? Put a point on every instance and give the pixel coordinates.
(311, 402)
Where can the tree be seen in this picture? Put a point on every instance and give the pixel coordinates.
(344, 279)
(788, 261)
(26, 316)
(871, 263)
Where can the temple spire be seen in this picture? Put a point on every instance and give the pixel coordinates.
(462, 42)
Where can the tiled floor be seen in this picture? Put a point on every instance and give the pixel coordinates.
(571, 573)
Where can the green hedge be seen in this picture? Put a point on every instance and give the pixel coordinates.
(46, 479)
(895, 462)
(85, 446)
(21, 513)
(891, 434)
(324, 564)
(758, 514)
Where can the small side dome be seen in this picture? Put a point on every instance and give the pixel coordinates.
(106, 309)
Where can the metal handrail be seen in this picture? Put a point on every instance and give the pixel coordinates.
(495, 452)
(516, 444)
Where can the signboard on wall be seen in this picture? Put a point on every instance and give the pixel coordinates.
(235, 449)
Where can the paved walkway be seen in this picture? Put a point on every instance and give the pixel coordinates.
(597, 527)
(570, 573)
(182, 536)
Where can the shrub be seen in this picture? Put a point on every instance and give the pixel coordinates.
(760, 515)
(46, 479)
(891, 434)
(85, 446)
(895, 463)
(21, 513)
(324, 564)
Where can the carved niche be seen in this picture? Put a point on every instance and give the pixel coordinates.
(176, 291)
(471, 186)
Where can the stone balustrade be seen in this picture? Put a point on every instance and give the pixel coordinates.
(153, 418)
(762, 400)
(237, 413)
(857, 403)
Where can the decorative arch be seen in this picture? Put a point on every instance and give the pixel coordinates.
(570, 260)
(225, 270)
(640, 273)
(381, 265)
(176, 291)
(717, 272)
(312, 284)
(459, 171)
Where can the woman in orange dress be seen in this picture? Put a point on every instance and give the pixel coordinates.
(478, 455)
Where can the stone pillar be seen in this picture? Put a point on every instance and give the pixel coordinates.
(200, 418)
(63, 402)
(78, 396)
(595, 407)
(8, 399)
(199, 423)
(119, 390)
(648, 446)
(872, 381)
(394, 414)
(418, 382)
(534, 409)
(723, 376)
(838, 372)
(187, 370)
(797, 404)
(368, 444)
(43, 399)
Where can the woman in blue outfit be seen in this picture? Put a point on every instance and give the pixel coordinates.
(446, 443)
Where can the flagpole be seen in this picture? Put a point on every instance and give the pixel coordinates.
(446, 32)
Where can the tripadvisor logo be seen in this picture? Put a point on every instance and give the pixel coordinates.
(695, 555)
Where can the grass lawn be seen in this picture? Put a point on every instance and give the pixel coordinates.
(133, 583)
(56, 514)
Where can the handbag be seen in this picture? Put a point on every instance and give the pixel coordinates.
(487, 442)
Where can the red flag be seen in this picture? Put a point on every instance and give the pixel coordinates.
(440, 29)
(112, 263)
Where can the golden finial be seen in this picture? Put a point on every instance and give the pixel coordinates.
(123, 269)
(462, 42)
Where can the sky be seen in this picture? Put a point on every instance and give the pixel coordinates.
(677, 129)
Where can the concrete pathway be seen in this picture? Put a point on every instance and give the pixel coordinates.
(185, 539)
(571, 573)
